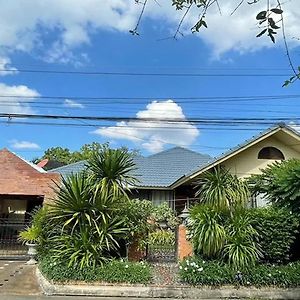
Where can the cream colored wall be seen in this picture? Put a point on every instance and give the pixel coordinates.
(246, 163)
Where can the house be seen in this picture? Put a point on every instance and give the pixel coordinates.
(23, 186)
(155, 173)
(171, 175)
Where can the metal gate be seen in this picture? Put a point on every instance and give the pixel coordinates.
(162, 246)
(10, 246)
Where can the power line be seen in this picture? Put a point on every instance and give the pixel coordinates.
(158, 98)
(206, 120)
(105, 73)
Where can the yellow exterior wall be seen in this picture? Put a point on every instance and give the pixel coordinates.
(246, 162)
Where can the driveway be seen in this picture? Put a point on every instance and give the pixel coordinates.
(17, 278)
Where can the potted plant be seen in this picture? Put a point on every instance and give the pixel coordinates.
(30, 236)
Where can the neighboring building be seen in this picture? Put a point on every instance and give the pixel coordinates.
(171, 175)
(23, 186)
(49, 164)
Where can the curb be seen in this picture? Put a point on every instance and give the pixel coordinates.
(51, 289)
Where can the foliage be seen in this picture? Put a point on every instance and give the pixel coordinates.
(34, 232)
(277, 229)
(113, 271)
(164, 214)
(197, 271)
(30, 234)
(64, 155)
(137, 214)
(242, 248)
(216, 234)
(264, 18)
(143, 219)
(162, 238)
(90, 225)
(222, 190)
(280, 183)
(111, 171)
(207, 232)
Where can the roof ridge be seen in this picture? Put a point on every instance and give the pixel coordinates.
(31, 164)
(176, 147)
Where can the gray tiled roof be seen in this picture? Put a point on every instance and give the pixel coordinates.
(158, 170)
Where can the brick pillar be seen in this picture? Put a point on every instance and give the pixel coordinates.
(185, 248)
(134, 253)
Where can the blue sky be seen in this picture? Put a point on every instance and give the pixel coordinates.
(93, 36)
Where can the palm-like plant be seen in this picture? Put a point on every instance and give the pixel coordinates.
(89, 222)
(242, 249)
(222, 190)
(111, 170)
(207, 232)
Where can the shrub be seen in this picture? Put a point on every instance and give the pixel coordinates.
(34, 233)
(196, 271)
(280, 183)
(222, 190)
(206, 231)
(162, 238)
(113, 271)
(241, 249)
(277, 229)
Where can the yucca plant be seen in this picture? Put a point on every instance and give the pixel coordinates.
(111, 171)
(207, 232)
(90, 227)
(222, 190)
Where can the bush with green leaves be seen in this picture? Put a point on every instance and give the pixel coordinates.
(34, 233)
(207, 231)
(163, 214)
(114, 271)
(221, 190)
(217, 234)
(277, 229)
(197, 271)
(90, 226)
(242, 249)
(162, 238)
(280, 183)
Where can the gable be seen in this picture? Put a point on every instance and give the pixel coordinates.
(19, 177)
(247, 163)
(242, 160)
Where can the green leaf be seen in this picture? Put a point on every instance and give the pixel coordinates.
(261, 15)
(277, 11)
(262, 32)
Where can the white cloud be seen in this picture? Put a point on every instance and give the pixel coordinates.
(26, 25)
(24, 145)
(73, 104)
(154, 135)
(6, 68)
(18, 103)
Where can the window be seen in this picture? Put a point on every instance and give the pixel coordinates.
(270, 153)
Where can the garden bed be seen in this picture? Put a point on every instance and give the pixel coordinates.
(199, 272)
(153, 291)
